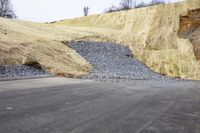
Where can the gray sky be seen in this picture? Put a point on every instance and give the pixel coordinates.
(51, 10)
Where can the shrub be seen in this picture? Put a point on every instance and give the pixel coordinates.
(6, 9)
(112, 9)
(126, 4)
(156, 2)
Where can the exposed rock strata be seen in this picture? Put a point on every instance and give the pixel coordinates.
(190, 29)
(154, 34)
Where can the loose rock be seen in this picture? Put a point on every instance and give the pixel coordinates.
(14, 71)
(113, 62)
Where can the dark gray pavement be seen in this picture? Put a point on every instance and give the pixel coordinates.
(58, 105)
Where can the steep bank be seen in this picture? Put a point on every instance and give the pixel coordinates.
(153, 34)
(164, 37)
(36, 44)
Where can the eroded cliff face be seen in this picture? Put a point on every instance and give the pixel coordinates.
(165, 37)
(190, 29)
(170, 43)
(165, 42)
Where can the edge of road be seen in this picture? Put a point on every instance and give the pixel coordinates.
(24, 78)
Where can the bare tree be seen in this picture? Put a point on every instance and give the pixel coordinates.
(86, 10)
(126, 4)
(6, 9)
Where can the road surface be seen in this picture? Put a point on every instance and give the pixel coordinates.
(58, 105)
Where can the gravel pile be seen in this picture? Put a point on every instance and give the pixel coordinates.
(113, 62)
(14, 71)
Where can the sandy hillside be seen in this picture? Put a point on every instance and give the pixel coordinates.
(163, 37)
(28, 43)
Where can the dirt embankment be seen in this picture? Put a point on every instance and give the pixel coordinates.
(190, 29)
(164, 37)
(154, 34)
(35, 44)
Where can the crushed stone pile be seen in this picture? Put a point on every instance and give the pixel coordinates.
(113, 62)
(15, 71)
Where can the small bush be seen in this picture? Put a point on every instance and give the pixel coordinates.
(140, 5)
(128, 4)
(152, 3)
(112, 9)
(156, 2)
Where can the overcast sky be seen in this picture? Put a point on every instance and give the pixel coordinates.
(51, 10)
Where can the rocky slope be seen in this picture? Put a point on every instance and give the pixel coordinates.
(114, 62)
(164, 37)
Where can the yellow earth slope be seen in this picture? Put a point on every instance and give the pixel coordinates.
(28, 43)
(163, 37)
(159, 36)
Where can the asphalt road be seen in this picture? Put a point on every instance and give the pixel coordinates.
(57, 105)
